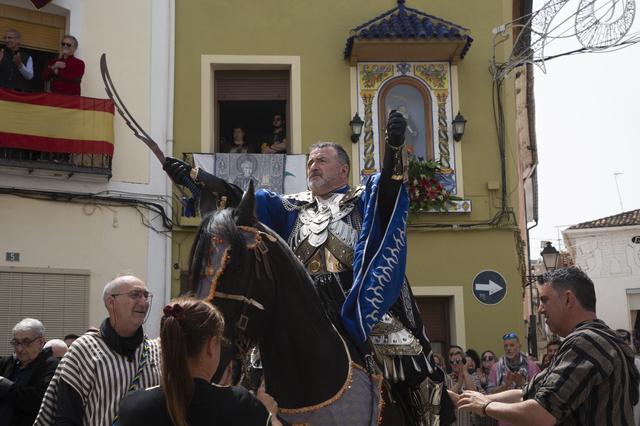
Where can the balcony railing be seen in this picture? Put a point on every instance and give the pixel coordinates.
(56, 135)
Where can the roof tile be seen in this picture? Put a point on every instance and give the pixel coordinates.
(404, 23)
(623, 219)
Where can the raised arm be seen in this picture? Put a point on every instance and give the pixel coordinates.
(392, 173)
(213, 186)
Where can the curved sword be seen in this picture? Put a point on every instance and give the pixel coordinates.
(131, 122)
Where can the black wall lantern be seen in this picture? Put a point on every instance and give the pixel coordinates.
(356, 128)
(458, 124)
(550, 257)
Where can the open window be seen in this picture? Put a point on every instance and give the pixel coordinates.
(40, 32)
(256, 102)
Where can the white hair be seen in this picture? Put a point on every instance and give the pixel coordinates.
(29, 324)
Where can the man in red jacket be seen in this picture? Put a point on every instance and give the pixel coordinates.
(66, 71)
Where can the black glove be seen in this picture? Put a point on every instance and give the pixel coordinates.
(396, 127)
(176, 169)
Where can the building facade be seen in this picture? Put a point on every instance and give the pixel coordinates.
(318, 64)
(68, 227)
(608, 250)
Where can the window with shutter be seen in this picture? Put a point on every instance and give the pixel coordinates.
(60, 299)
(249, 99)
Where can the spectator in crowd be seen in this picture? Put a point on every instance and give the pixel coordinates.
(453, 349)
(239, 144)
(58, 347)
(473, 360)
(70, 338)
(277, 143)
(592, 380)
(462, 379)
(25, 375)
(487, 360)
(16, 66)
(66, 71)
(552, 347)
(546, 360)
(440, 362)
(191, 332)
(514, 369)
(100, 368)
(552, 350)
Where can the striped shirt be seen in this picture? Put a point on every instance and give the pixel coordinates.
(591, 381)
(101, 377)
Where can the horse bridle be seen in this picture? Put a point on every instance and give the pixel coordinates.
(260, 250)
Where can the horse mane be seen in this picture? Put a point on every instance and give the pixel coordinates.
(301, 272)
(294, 330)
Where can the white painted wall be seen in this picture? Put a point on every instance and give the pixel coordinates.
(137, 37)
(612, 261)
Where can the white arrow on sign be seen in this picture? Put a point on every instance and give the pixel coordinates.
(491, 287)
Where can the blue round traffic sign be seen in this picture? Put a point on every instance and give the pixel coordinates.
(489, 287)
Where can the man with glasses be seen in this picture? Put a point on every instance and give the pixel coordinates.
(66, 71)
(16, 66)
(101, 367)
(25, 375)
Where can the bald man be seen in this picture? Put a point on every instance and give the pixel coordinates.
(101, 367)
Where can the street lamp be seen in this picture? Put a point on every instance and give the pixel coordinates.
(356, 124)
(458, 125)
(550, 257)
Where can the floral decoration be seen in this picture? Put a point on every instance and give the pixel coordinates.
(426, 193)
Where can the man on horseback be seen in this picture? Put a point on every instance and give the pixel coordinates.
(352, 241)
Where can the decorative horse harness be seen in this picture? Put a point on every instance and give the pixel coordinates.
(217, 262)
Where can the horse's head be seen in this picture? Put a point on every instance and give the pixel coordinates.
(230, 267)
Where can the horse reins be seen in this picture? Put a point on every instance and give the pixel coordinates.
(260, 251)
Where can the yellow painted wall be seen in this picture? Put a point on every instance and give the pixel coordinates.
(317, 32)
(105, 241)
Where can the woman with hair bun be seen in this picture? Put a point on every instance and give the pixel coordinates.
(190, 336)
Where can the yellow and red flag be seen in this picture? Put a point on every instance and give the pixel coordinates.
(56, 123)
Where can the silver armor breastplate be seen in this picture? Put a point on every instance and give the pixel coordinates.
(317, 221)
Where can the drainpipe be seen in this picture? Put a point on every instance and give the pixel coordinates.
(533, 334)
(169, 135)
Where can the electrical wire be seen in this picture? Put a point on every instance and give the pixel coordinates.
(138, 204)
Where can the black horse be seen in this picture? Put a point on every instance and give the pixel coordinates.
(268, 299)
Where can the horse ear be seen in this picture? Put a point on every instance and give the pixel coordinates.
(246, 215)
